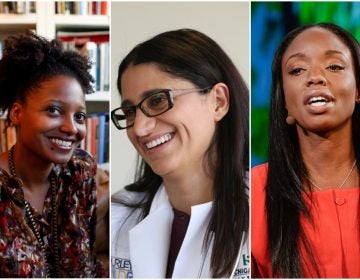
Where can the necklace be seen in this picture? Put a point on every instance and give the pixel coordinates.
(341, 185)
(53, 224)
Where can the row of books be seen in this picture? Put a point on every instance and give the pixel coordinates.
(1, 48)
(17, 7)
(61, 7)
(96, 141)
(81, 7)
(96, 46)
(7, 136)
(97, 137)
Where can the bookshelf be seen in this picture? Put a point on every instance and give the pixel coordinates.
(50, 18)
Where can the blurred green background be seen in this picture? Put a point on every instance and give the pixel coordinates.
(270, 21)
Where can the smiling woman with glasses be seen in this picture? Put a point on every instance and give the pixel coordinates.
(154, 104)
(185, 110)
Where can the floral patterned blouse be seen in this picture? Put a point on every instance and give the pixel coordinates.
(20, 252)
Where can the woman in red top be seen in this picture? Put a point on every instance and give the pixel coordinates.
(310, 187)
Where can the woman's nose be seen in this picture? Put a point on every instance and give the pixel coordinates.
(316, 77)
(68, 125)
(143, 124)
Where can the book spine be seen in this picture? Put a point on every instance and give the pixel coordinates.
(101, 138)
(103, 7)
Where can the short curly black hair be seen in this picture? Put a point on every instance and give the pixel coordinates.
(29, 59)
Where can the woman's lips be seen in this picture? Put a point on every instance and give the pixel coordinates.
(158, 141)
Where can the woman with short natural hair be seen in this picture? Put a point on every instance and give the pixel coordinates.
(47, 185)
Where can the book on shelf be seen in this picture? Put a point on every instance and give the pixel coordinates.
(10, 137)
(7, 136)
(95, 45)
(81, 7)
(3, 136)
(96, 141)
(102, 136)
(17, 7)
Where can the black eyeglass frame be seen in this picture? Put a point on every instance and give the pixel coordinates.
(170, 94)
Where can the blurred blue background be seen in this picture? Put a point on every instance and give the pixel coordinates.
(270, 21)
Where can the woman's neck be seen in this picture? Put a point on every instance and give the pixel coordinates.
(35, 180)
(329, 158)
(189, 190)
(31, 168)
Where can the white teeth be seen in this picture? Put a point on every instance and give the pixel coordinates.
(317, 104)
(158, 141)
(317, 101)
(60, 142)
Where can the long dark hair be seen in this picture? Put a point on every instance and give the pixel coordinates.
(193, 56)
(287, 171)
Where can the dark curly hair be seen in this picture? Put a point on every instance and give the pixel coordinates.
(29, 59)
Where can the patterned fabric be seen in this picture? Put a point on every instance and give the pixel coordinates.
(20, 252)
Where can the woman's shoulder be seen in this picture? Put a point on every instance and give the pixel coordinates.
(124, 217)
(83, 158)
(124, 197)
(81, 165)
(258, 180)
(259, 174)
(261, 168)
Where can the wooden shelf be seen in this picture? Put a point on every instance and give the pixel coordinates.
(13, 23)
(84, 21)
(15, 19)
(102, 96)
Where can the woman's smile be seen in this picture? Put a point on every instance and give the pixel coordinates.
(171, 142)
(318, 102)
(159, 141)
(61, 144)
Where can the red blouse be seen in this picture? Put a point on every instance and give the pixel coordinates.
(334, 238)
(20, 252)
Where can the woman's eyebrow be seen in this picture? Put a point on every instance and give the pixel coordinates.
(146, 93)
(331, 52)
(302, 55)
(62, 103)
(295, 55)
(126, 102)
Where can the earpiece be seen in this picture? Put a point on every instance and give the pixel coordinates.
(290, 120)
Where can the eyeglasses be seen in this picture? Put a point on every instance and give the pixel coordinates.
(152, 105)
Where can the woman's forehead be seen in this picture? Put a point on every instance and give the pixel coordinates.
(316, 39)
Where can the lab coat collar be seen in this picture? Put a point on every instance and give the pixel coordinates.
(150, 239)
(193, 260)
(150, 242)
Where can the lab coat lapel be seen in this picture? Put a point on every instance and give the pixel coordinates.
(150, 239)
(192, 261)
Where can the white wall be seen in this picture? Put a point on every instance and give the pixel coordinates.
(134, 22)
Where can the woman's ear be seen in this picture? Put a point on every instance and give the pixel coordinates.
(220, 93)
(357, 97)
(15, 113)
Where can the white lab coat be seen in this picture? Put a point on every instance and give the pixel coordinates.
(140, 248)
